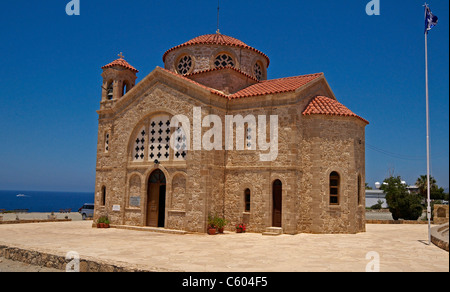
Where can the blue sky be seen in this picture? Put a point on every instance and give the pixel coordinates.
(50, 74)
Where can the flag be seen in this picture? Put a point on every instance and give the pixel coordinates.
(430, 19)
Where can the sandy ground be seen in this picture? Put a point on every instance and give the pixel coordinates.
(397, 248)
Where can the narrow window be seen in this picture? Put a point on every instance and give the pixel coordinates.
(125, 88)
(334, 188)
(257, 71)
(248, 137)
(103, 198)
(359, 190)
(247, 200)
(107, 142)
(110, 90)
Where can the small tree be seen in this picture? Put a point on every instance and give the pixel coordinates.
(402, 204)
(436, 192)
(422, 185)
(378, 205)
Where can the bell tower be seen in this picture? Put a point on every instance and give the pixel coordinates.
(119, 77)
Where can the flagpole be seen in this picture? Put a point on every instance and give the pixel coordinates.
(428, 140)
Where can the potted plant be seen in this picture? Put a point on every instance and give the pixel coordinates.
(103, 222)
(240, 228)
(211, 225)
(100, 222)
(221, 223)
(212, 230)
(106, 223)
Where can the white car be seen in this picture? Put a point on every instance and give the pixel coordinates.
(87, 211)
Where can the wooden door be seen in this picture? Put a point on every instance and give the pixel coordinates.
(153, 205)
(277, 203)
(156, 199)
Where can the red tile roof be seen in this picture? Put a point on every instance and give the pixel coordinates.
(229, 67)
(217, 39)
(212, 90)
(322, 105)
(265, 87)
(121, 62)
(275, 86)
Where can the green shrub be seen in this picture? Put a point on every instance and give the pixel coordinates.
(402, 204)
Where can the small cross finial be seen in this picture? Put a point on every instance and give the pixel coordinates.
(121, 55)
(218, 16)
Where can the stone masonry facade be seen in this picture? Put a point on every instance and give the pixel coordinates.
(319, 171)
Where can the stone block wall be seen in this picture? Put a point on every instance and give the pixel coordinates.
(440, 214)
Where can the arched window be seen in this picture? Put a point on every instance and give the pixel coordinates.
(152, 142)
(257, 71)
(334, 188)
(223, 60)
(103, 198)
(110, 90)
(277, 194)
(247, 200)
(125, 88)
(185, 65)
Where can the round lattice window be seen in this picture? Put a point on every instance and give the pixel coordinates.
(223, 60)
(184, 65)
(257, 71)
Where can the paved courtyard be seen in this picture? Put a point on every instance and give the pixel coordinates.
(400, 248)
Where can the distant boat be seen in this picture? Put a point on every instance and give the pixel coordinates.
(21, 195)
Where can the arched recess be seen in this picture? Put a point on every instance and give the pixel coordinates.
(178, 198)
(134, 191)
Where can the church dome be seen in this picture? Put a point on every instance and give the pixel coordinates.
(214, 51)
(217, 39)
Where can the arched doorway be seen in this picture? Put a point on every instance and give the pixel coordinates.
(156, 199)
(277, 203)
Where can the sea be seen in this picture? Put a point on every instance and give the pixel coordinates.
(40, 201)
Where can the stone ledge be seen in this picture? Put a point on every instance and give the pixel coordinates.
(396, 222)
(438, 239)
(42, 259)
(34, 221)
(150, 229)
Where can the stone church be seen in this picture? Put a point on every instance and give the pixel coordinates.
(315, 184)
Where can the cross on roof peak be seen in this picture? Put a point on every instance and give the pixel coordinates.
(121, 55)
